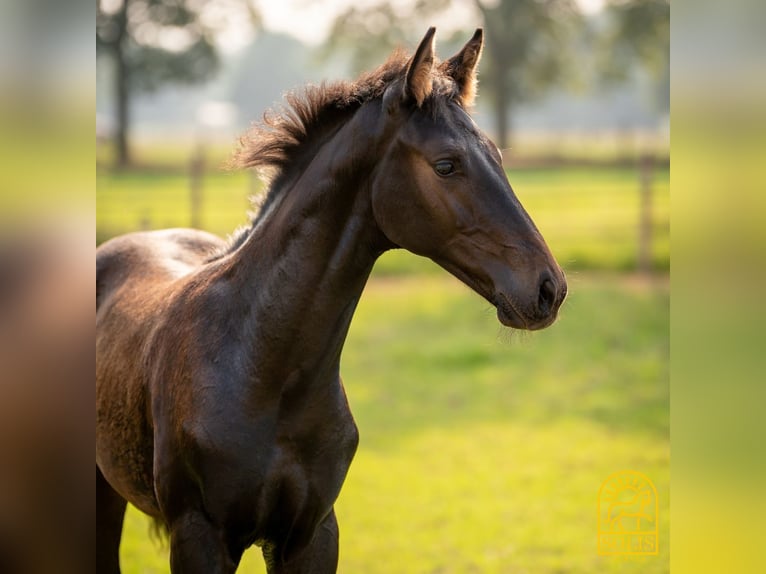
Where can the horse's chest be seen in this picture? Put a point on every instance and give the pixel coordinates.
(310, 463)
(282, 464)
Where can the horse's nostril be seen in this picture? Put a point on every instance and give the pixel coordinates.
(547, 296)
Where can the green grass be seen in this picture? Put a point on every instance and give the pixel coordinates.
(589, 216)
(483, 451)
(149, 200)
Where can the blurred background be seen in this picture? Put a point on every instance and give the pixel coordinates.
(481, 451)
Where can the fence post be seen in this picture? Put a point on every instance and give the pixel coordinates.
(645, 214)
(196, 175)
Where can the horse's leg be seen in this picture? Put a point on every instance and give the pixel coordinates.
(110, 511)
(197, 547)
(320, 557)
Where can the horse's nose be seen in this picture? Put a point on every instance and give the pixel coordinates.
(551, 294)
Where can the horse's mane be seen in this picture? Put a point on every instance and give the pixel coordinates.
(272, 144)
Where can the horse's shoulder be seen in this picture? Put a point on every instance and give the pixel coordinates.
(155, 256)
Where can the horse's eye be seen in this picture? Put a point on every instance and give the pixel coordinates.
(444, 167)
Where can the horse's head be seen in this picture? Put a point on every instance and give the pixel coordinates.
(441, 191)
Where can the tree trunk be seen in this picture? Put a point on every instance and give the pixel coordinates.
(502, 117)
(122, 90)
(501, 121)
(498, 68)
(122, 94)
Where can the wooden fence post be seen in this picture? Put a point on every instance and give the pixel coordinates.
(645, 214)
(196, 176)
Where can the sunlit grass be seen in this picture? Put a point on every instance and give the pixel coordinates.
(146, 200)
(483, 451)
(588, 216)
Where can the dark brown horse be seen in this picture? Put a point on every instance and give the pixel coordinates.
(220, 407)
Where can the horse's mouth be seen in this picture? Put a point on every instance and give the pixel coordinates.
(507, 313)
(510, 316)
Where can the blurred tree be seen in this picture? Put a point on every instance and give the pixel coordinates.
(638, 32)
(527, 50)
(529, 44)
(155, 42)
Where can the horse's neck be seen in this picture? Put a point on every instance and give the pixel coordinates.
(305, 264)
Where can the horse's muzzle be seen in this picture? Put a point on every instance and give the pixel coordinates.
(542, 310)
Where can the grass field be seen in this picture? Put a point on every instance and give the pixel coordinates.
(589, 216)
(481, 450)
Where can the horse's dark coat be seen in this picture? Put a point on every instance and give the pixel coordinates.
(220, 409)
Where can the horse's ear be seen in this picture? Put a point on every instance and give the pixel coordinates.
(462, 67)
(418, 83)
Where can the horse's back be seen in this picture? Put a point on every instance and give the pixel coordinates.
(135, 274)
(151, 256)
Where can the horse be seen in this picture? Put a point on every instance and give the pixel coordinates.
(220, 408)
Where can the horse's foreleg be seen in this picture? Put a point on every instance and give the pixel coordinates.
(319, 557)
(110, 511)
(198, 547)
